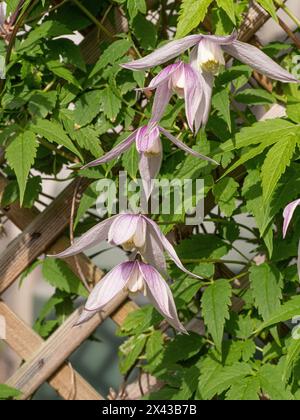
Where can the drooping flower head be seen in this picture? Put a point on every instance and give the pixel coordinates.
(149, 147)
(134, 232)
(195, 81)
(183, 79)
(208, 56)
(134, 277)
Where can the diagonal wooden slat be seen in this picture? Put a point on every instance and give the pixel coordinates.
(22, 218)
(52, 354)
(25, 342)
(37, 237)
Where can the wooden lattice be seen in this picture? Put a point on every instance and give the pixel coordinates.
(47, 361)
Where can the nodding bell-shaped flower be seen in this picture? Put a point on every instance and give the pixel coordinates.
(287, 217)
(134, 277)
(134, 232)
(149, 147)
(207, 59)
(183, 79)
(208, 56)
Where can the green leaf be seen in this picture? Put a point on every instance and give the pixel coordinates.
(87, 107)
(135, 6)
(54, 132)
(48, 29)
(266, 285)
(192, 13)
(42, 103)
(270, 8)
(145, 32)
(61, 71)
(255, 97)
(202, 247)
(139, 321)
(275, 164)
(114, 52)
(88, 139)
(154, 350)
(246, 389)
(215, 308)
(293, 355)
(59, 275)
(264, 132)
(6, 392)
(183, 347)
(130, 351)
(293, 112)
(228, 6)
(286, 312)
(130, 161)
(11, 6)
(20, 155)
(221, 102)
(225, 192)
(216, 379)
(111, 103)
(270, 377)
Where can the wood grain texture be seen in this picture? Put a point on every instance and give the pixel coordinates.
(37, 237)
(53, 352)
(25, 342)
(22, 218)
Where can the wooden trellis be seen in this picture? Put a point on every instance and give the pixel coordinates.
(47, 361)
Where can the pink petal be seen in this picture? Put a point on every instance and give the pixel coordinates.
(222, 40)
(92, 237)
(108, 287)
(115, 152)
(123, 228)
(288, 214)
(184, 147)
(168, 247)
(161, 99)
(165, 53)
(255, 58)
(164, 75)
(154, 251)
(149, 168)
(147, 137)
(161, 296)
(192, 93)
(203, 111)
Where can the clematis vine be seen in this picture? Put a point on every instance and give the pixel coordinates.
(287, 216)
(149, 147)
(134, 277)
(207, 59)
(134, 232)
(189, 84)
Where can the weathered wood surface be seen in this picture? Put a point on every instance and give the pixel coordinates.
(53, 352)
(25, 342)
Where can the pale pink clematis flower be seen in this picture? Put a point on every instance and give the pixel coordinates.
(208, 56)
(134, 277)
(189, 84)
(149, 147)
(287, 216)
(207, 59)
(134, 232)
